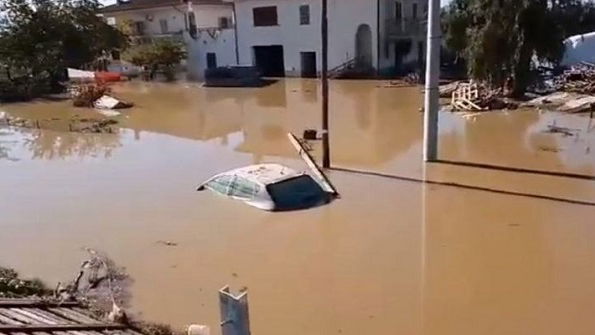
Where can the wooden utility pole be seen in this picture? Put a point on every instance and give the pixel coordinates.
(326, 154)
(432, 81)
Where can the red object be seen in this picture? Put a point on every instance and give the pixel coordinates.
(107, 77)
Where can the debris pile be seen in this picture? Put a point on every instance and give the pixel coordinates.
(475, 97)
(85, 95)
(96, 95)
(578, 79)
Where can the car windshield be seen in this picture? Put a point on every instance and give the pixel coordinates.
(234, 186)
(297, 193)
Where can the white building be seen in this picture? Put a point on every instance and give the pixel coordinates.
(205, 26)
(282, 37)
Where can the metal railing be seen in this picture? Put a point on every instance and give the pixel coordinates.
(149, 39)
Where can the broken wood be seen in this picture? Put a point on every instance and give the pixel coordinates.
(303, 152)
(52, 328)
(36, 303)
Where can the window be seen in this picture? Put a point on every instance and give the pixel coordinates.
(224, 22)
(164, 28)
(265, 16)
(398, 10)
(296, 193)
(139, 27)
(305, 15)
(192, 30)
(211, 60)
(414, 11)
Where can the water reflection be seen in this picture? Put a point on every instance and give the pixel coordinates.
(371, 126)
(48, 145)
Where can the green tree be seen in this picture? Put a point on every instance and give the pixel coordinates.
(162, 55)
(501, 39)
(39, 39)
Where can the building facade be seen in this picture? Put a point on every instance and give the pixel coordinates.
(282, 37)
(205, 27)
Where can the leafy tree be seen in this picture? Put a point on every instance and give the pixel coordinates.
(164, 54)
(40, 38)
(500, 39)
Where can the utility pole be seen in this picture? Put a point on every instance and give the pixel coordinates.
(431, 106)
(326, 159)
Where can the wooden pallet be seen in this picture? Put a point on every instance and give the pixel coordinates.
(46, 317)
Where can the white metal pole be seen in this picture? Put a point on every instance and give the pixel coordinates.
(432, 97)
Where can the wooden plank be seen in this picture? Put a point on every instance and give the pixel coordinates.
(50, 316)
(41, 333)
(36, 318)
(36, 303)
(326, 183)
(73, 315)
(51, 328)
(8, 321)
(16, 316)
(83, 312)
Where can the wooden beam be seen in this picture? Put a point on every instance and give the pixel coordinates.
(36, 303)
(52, 328)
(326, 183)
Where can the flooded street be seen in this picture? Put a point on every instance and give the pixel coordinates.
(390, 257)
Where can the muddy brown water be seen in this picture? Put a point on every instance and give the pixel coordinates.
(389, 257)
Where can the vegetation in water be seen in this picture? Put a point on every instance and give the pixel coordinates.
(13, 286)
(500, 40)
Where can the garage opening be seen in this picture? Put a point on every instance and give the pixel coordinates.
(308, 64)
(269, 60)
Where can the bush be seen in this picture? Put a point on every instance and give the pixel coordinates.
(11, 286)
(162, 55)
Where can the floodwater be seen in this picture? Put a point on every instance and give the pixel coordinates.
(392, 256)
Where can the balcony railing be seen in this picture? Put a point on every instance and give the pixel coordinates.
(149, 39)
(407, 27)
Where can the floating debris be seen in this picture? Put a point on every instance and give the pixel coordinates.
(554, 129)
(167, 243)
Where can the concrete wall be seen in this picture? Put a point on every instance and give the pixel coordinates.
(387, 46)
(220, 42)
(151, 18)
(207, 16)
(345, 16)
(210, 39)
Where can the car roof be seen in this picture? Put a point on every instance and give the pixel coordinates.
(264, 174)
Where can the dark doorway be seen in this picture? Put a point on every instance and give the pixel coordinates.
(211, 60)
(402, 49)
(269, 60)
(308, 64)
(420, 56)
(363, 46)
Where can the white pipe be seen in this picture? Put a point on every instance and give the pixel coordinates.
(432, 97)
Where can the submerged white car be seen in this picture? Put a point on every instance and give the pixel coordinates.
(270, 187)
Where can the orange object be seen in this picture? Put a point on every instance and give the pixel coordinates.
(107, 77)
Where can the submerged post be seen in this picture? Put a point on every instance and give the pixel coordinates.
(234, 313)
(326, 159)
(432, 97)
